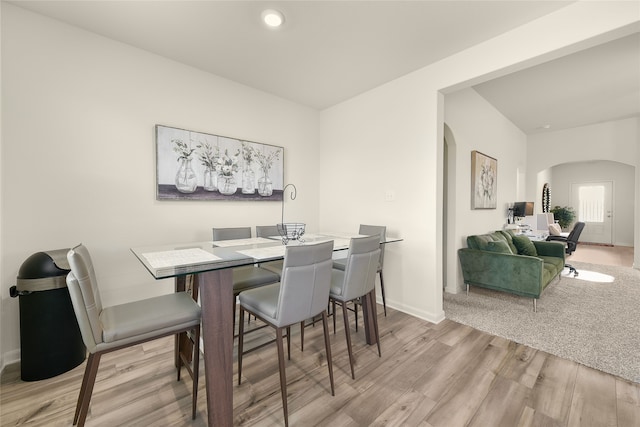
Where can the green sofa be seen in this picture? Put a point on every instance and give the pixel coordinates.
(504, 261)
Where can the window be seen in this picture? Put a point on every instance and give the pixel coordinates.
(591, 199)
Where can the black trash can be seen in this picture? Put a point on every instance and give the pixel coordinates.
(50, 339)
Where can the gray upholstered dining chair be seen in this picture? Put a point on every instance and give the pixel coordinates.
(270, 231)
(356, 281)
(267, 231)
(246, 276)
(370, 230)
(231, 233)
(107, 329)
(303, 293)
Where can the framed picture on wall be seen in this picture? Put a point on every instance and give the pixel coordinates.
(484, 181)
(200, 166)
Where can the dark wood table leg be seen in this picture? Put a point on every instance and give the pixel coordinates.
(180, 286)
(216, 299)
(367, 314)
(183, 341)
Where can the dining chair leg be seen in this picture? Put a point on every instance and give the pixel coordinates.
(89, 379)
(327, 346)
(384, 301)
(289, 342)
(302, 336)
(375, 323)
(180, 339)
(234, 314)
(347, 332)
(178, 350)
(176, 355)
(333, 314)
(283, 376)
(195, 370)
(240, 343)
(355, 310)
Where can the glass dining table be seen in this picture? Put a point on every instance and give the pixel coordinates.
(210, 265)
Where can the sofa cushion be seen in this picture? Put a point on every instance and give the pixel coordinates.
(499, 246)
(524, 246)
(479, 241)
(508, 236)
(558, 263)
(548, 273)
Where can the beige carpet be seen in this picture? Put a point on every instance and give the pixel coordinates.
(593, 319)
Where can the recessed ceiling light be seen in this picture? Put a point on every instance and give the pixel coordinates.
(272, 18)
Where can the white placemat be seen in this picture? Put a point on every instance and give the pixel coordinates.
(179, 257)
(264, 253)
(242, 242)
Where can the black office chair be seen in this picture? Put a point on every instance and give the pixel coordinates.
(571, 242)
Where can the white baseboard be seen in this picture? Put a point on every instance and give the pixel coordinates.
(9, 358)
(455, 290)
(416, 312)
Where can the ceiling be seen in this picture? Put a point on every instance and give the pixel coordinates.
(591, 86)
(330, 51)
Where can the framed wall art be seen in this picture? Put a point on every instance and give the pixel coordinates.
(200, 166)
(484, 181)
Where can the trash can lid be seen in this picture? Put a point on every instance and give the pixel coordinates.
(44, 270)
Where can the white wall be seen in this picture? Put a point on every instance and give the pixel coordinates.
(623, 178)
(391, 139)
(78, 155)
(2, 361)
(477, 125)
(614, 141)
(372, 145)
(543, 177)
(636, 253)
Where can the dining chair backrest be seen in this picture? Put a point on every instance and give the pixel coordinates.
(85, 296)
(378, 230)
(361, 268)
(305, 283)
(267, 231)
(231, 233)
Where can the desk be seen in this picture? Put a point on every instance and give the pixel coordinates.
(536, 236)
(211, 263)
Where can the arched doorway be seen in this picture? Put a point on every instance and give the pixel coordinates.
(449, 258)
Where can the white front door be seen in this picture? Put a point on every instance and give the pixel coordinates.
(592, 202)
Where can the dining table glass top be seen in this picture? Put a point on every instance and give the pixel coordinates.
(171, 260)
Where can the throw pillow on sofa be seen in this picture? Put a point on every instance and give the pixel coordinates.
(525, 246)
(554, 229)
(508, 237)
(499, 246)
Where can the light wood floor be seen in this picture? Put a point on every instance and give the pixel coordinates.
(621, 256)
(442, 375)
